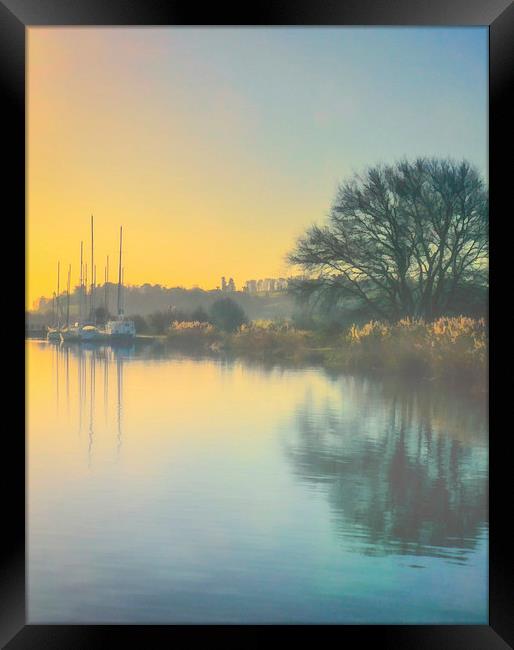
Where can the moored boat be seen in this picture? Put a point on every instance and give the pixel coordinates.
(53, 334)
(71, 334)
(91, 334)
(120, 329)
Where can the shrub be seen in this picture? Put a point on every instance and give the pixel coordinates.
(451, 347)
(270, 338)
(227, 315)
(199, 315)
(458, 346)
(159, 322)
(140, 324)
(192, 335)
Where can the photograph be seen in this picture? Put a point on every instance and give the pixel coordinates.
(257, 325)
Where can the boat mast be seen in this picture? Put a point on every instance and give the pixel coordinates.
(92, 271)
(81, 293)
(106, 288)
(85, 289)
(120, 311)
(68, 298)
(58, 289)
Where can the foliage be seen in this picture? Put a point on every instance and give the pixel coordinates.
(273, 339)
(192, 335)
(409, 239)
(200, 315)
(446, 347)
(227, 315)
(178, 315)
(159, 321)
(140, 324)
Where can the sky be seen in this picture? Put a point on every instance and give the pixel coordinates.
(216, 148)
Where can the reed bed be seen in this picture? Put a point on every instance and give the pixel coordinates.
(449, 347)
(193, 335)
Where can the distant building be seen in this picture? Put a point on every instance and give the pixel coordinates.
(228, 286)
(266, 285)
(250, 286)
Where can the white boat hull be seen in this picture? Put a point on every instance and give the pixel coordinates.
(121, 330)
(91, 334)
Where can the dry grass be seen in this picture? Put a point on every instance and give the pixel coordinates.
(451, 348)
(448, 347)
(278, 339)
(193, 335)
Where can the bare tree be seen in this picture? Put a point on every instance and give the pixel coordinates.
(407, 239)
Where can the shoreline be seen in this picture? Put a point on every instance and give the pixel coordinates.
(449, 351)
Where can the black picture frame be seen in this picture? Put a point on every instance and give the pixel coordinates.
(15, 17)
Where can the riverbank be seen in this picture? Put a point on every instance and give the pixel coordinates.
(448, 348)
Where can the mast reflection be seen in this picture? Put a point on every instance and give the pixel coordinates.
(86, 358)
(119, 377)
(92, 375)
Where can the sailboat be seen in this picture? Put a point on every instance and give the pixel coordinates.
(54, 333)
(72, 333)
(69, 333)
(121, 329)
(89, 332)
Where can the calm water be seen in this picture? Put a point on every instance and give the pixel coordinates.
(167, 489)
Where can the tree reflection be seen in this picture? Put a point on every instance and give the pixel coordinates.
(404, 467)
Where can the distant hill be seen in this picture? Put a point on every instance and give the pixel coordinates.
(147, 299)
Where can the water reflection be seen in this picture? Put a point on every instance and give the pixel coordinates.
(119, 384)
(177, 488)
(409, 477)
(87, 357)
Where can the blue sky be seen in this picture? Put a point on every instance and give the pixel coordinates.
(342, 97)
(221, 145)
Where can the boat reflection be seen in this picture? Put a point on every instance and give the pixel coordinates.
(87, 356)
(193, 488)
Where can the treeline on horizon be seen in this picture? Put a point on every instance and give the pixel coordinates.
(147, 300)
(407, 240)
(400, 263)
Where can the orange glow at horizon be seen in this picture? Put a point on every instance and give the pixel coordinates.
(216, 148)
(105, 140)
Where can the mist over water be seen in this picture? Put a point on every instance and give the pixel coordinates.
(164, 488)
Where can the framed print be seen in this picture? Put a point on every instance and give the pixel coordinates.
(259, 356)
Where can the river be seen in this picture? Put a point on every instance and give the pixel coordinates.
(164, 488)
